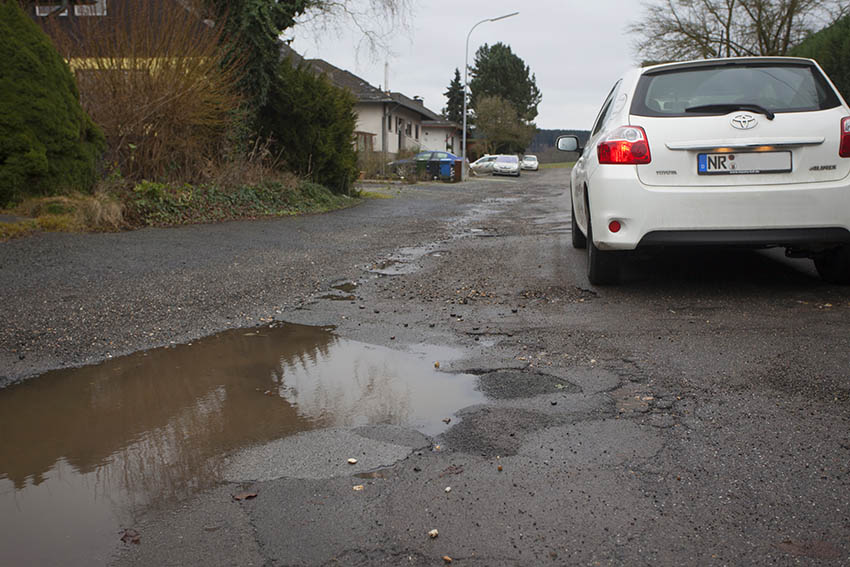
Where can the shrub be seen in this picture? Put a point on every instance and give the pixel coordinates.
(48, 144)
(153, 76)
(311, 125)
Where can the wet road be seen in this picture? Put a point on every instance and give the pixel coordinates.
(698, 414)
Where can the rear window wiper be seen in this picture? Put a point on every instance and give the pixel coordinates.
(732, 107)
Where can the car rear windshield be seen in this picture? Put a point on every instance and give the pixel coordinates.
(775, 87)
(507, 159)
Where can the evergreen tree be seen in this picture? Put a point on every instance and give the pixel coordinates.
(497, 71)
(252, 28)
(454, 100)
(47, 142)
(311, 124)
(830, 47)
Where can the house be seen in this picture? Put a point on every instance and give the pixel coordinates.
(390, 122)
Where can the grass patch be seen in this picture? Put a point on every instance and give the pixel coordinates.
(118, 205)
(558, 165)
(10, 230)
(376, 195)
(161, 204)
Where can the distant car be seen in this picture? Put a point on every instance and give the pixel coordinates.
(483, 165)
(506, 165)
(529, 162)
(749, 152)
(428, 160)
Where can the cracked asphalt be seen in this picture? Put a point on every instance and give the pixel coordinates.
(697, 414)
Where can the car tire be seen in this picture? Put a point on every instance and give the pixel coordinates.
(833, 265)
(603, 267)
(579, 239)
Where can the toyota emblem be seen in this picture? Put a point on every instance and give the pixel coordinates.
(744, 121)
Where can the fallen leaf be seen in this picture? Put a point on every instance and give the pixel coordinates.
(816, 549)
(358, 488)
(244, 496)
(131, 536)
(352, 461)
(433, 533)
(437, 364)
(447, 559)
(448, 489)
(452, 469)
(447, 420)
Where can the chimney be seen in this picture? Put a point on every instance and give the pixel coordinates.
(419, 99)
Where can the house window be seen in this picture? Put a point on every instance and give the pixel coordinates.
(417, 131)
(409, 130)
(96, 9)
(45, 11)
(389, 123)
(399, 125)
(364, 141)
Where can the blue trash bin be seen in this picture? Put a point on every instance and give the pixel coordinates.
(445, 169)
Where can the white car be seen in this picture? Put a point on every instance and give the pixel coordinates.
(483, 165)
(529, 162)
(506, 165)
(751, 152)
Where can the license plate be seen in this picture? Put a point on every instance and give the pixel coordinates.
(744, 163)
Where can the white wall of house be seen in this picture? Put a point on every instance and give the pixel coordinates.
(406, 131)
(441, 138)
(370, 119)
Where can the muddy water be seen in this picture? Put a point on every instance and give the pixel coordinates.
(84, 452)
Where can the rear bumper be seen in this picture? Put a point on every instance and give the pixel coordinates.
(805, 214)
(795, 237)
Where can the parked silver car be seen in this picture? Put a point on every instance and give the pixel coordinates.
(506, 165)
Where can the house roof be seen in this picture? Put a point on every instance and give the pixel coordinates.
(363, 91)
(417, 105)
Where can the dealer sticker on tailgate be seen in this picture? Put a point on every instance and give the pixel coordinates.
(744, 163)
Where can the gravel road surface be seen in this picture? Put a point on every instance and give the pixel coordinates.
(697, 414)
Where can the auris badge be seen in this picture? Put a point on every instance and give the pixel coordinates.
(744, 121)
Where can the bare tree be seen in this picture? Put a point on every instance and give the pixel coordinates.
(502, 129)
(700, 29)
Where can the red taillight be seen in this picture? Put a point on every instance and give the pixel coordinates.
(626, 144)
(614, 226)
(844, 149)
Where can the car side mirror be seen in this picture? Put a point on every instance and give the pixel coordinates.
(568, 144)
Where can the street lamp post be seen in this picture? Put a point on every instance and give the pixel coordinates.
(466, 87)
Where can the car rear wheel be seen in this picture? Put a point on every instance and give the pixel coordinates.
(603, 267)
(834, 265)
(579, 239)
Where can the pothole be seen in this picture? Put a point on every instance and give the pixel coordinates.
(509, 384)
(98, 445)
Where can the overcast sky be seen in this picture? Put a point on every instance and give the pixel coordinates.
(576, 49)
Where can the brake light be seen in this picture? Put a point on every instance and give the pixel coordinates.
(844, 149)
(625, 145)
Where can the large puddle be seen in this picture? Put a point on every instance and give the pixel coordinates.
(83, 452)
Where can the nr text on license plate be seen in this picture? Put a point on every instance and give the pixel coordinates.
(743, 163)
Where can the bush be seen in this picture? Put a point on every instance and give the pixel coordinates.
(155, 79)
(830, 47)
(311, 125)
(48, 144)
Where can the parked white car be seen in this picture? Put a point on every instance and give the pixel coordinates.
(750, 152)
(529, 162)
(506, 165)
(483, 165)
